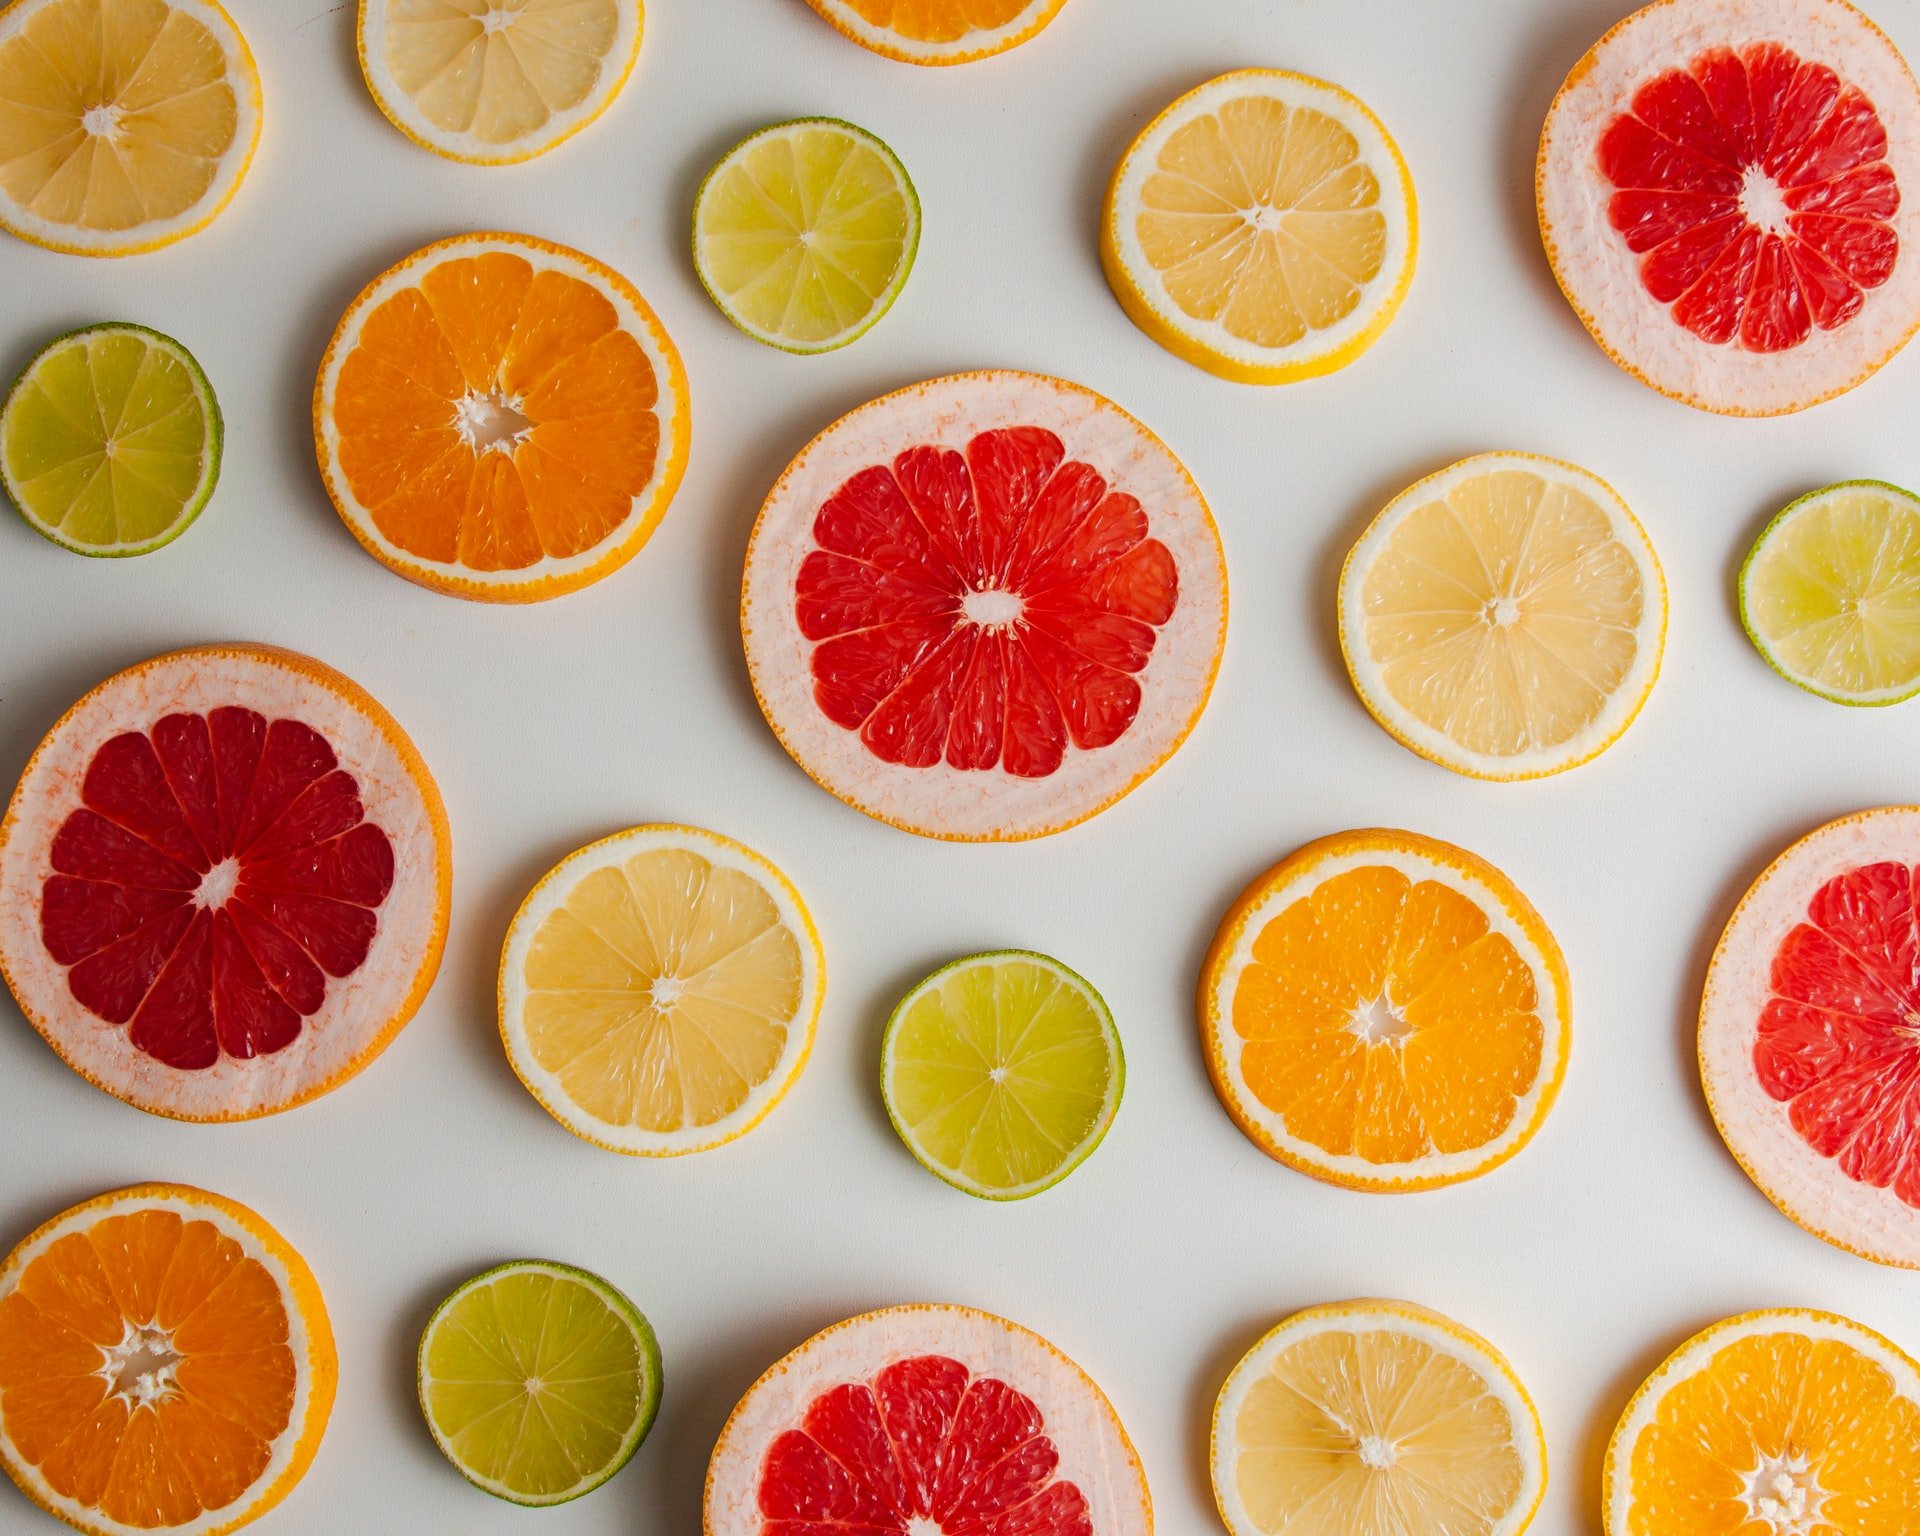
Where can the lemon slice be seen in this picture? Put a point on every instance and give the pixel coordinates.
(805, 232)
(1830, 594)
(538, 1381)
(1505, 617)
(1262, 227)
(125, 125)
(659, 990)
(493, 82)
(1376, 1418)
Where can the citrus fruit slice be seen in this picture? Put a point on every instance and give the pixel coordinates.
(501, 418)
(1002, 1072)
(938, 31)
(1386, 1011)
(165, 1364)
(1830, 594)
(1376, 1418)
(224, 883)
(1263, 227)
(110, 440)
(1771, 1424)
(1504, 618)
(1726, 193)
(805, 232)
(659, 990)
(125, 125)
(538, 1380)
(1808, 1050)
(496, 83)
(985, 607)
(924, 1419)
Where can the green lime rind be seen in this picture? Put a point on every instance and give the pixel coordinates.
(1768, 652)
(882, 302)
(652, 1373)
(1116, 1085)
(214, 437)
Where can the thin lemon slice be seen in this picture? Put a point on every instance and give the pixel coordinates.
(1505, 617)
(495, 82)
(125, 125)
(110, 440)
(1263, 227)
(1830, 594)
(805, 232)
(539, 1381)
(1002, 1072)
(659, 990)
(1376, 1418)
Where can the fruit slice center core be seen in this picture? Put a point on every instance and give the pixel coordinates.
(141, 1366)
(1762, 202)
(921, 1527)
(1379, 1023)
(992, 607)
(217, 884)
(492, 420)
(1376, 1452)
(1783, 1495)
(102, 121)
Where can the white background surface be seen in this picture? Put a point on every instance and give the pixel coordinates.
(1622, 1229)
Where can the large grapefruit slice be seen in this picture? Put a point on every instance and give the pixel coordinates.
(1810, 1034)
(984, 608)
(926, 1421)
(224, 882)
(1728, 192)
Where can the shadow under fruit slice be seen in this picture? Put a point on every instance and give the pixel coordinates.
(166, 1364)
(224, 882)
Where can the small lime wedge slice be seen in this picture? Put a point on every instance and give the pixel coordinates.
(1001, 1073)
(110, 440)
(539, 1381)
(805, 232)
(1830, 594)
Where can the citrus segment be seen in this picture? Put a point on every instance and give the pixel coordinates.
(1262, 227)
(1720, 191)
(938, 31)
(925, 1419)
(985, 607)
(805, 232)
(1375, 1418)
(226, 881)
(165, 1364)
(1385, 1011)
(1002, 1072)
(500, 418)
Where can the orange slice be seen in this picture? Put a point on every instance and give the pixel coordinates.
(938, 31)
(1387, 1012)
(501, 418)
(165, 1364)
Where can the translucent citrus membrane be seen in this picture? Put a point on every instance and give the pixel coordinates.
(1504, 615)
(1001, 1072)
(1383, 1020)
(113, 114)
(1374, 1433)
(661, 991)
(1834, 593)
(1780, 1434)
(1264, 218)
(105, 441)
(938, 21)
(534, 1381)
(498, 69)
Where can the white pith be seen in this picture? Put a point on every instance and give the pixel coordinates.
(980, 41)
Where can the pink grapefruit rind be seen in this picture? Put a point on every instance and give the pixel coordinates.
(363, 1011)
(1806, 1185)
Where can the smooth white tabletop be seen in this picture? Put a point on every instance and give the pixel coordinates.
(1621, 1230)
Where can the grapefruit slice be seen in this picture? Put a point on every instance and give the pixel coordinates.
(166, 1364)
(224, 882)
(926, 1421)
(1728, 191)
(938, 31)
(984, 608)
(1810, 1034)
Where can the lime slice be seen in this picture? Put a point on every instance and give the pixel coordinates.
(1830, 594)
(1002, 1072)
(110, 440)
(805, 232)
(539, 1381)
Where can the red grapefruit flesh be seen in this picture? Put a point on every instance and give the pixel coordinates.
(984, 607)
(224, 875)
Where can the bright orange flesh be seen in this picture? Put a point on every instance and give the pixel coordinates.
(938, 21)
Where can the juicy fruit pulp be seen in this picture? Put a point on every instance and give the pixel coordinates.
(938, 31)
(938, 21)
